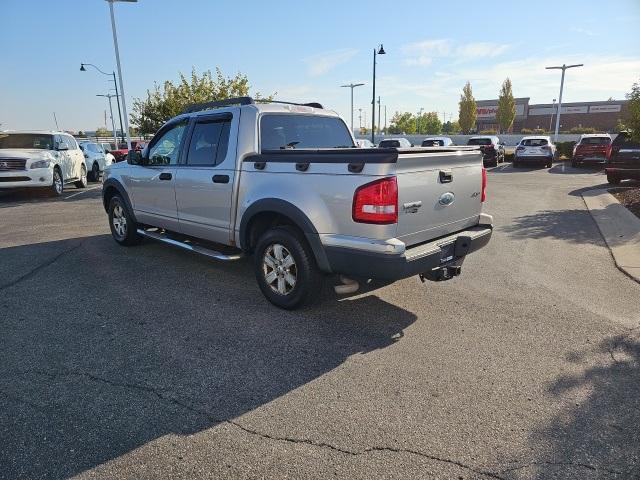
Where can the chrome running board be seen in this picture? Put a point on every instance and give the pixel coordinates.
(207, 252)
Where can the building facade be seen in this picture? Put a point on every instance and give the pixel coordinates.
(603, 116)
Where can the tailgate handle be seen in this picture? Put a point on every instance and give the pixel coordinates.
(446, 176)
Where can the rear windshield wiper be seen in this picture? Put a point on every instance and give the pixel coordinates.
(289, 145)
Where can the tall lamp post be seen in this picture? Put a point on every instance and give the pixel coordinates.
(112, 74)
(553, 109)
(376, 51)
(563, 68)
(352, 86)
(113, 125)
(115, 46)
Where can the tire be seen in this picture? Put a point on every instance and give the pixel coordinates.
(82, 183)
(123, 228)
(95, 172)
(57, 184)
(286, 270)
(613, 180)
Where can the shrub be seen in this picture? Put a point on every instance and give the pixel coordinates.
(526, 130)
(565, 149)
(539, 131)
(583, 130)
(488, 132)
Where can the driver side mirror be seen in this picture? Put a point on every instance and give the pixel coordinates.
(134, 157)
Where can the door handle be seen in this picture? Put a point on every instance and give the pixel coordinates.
(446, 176)
(220, 179)
(165, 176)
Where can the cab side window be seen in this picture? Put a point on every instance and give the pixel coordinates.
(166, 149)
(209, 141)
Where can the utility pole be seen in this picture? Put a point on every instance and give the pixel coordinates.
(378, 113)
(113, 125)
(385, 119)
(563, 68)
(360, 118)
(418, 120)
(352, 86)
(553, 109)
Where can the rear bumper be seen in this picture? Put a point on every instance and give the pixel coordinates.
(429, 259)
(623, 173)
(533, 158)
(590, 160)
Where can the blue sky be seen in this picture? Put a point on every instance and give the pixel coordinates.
(305, 50)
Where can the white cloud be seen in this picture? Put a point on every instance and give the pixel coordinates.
(322, 63)
(480, 50)
(422, 53)
(583, 31)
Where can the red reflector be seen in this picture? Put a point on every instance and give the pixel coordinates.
(483, 196)
(376, 202)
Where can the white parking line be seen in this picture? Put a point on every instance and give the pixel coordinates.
(81, 192)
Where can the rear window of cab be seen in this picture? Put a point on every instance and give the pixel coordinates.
(296, 131)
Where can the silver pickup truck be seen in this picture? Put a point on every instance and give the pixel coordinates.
(286, 183)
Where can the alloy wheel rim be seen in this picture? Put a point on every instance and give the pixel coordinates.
(83, 175)
(57, 182)
(119, 221)
(279, 269)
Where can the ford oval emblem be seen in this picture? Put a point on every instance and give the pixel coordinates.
(446, 198)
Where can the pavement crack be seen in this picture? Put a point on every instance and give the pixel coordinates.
(303, 441)
(43, 265)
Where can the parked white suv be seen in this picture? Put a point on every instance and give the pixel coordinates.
(95, 159)
(41, 159)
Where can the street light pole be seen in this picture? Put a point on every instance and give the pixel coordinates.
(379, 123)
(115, 46)
(376, 51)
(113, 125)
(352, 86)
(113, 75)
(360, 118)
(553, 109)
(563, 68)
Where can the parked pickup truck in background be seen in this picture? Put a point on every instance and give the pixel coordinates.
(624, 161)
(286, 183)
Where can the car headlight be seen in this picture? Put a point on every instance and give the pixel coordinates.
(41, 164)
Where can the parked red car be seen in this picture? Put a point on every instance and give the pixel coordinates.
(592, 149)
(121, 153)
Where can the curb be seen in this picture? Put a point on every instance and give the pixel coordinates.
(619, 227)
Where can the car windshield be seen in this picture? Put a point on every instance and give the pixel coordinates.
(595, 141)
(479, 141)
(26, 140)
(389, 144)
(284, 131)
(534, 142)
(91, 147)
(433, 143)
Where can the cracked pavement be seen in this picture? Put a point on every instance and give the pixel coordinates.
(149, 362)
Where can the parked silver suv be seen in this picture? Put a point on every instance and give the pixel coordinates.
(286, 183)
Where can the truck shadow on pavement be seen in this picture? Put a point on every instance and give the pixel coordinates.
(105, 349)
(597, 434)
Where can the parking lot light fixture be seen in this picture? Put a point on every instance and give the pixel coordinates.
(376, 51)
(117, 51)
(563, 68)
(113, 75)
(352, 86)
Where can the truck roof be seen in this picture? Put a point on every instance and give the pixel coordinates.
(45, 132)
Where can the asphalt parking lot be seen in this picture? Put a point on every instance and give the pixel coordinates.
(149, 362)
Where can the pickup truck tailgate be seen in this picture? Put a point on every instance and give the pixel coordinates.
(439, 192)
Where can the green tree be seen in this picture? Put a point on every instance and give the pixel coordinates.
(404, 123)
(506, 112)
(633, 117)
(163, 103)
(467, 115)
(103, 132)
(450, 127)
(429, 123)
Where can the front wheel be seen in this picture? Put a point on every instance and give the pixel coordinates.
(613, 180)
(82, 183)
(123, 228)
(285, 269)
(57, 185)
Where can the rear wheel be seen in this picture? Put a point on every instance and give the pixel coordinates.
(123, 228)
(285, 269)
(612, 179)
(82, 183)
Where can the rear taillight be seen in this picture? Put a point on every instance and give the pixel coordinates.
(546, 147)
(376, 202)
(519, 147)
(607, 152)
(483, 195)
